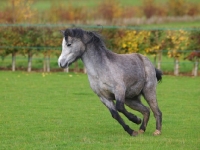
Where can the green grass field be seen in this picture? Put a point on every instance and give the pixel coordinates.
(60, 111)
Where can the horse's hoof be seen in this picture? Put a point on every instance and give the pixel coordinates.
(135, 133)
(140, 131)
(157, 132)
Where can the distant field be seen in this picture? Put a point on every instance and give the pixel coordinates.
(60, 111)
(45, 4)
(41, 5)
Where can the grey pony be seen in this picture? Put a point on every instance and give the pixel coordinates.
(118, 79)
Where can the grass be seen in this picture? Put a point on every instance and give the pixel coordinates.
(60, 111)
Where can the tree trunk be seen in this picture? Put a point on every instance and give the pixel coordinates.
(13, 61)
(84, 70)
(176, 66)
(44, 64)
(48, 63)
(159, 59)
(196, 65)
(29, 62)
(66, 69)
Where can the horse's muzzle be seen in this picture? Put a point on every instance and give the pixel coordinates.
(63, 66)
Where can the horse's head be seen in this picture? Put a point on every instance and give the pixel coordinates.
(73, 46)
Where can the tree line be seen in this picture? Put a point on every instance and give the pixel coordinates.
(46, 40)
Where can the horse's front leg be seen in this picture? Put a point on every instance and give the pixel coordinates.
(111, 106)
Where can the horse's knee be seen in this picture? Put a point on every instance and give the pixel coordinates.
(114, 114)
(147, 111)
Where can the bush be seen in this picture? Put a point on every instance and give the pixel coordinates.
(109, 10)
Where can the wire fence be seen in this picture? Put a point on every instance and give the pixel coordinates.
(98, 26)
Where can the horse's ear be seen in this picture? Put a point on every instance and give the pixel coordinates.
(63, 32)
(87, 38)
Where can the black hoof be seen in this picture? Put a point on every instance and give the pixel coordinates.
(139, 121)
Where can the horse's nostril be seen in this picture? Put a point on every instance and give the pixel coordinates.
(61, 65)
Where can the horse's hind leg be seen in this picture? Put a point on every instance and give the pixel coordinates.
(150, 96)
(120, 107)
(120, 102)
(138, 106)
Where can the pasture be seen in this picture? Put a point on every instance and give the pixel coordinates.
(60, 111)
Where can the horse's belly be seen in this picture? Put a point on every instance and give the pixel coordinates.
(133, 91)
(102, 89)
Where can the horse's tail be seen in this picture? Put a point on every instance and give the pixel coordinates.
(158, 75)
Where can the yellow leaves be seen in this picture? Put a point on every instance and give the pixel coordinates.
(179, 41)
(123, 45)
(132, 40)
(151, 42)
(152, 49)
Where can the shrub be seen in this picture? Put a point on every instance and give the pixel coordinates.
(149, 8)
(109, 10)
(66, 13)
(134, 41)
(18, 11)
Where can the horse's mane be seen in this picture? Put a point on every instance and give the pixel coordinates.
(94, 37)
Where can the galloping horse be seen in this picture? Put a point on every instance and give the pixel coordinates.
(118, 79)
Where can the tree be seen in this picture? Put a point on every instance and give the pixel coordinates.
(156, 45)
(177, 42)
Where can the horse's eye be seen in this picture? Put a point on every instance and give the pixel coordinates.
(68, 45)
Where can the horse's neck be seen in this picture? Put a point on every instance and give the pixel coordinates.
(93, 60)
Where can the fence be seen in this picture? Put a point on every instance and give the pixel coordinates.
(41, 43)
